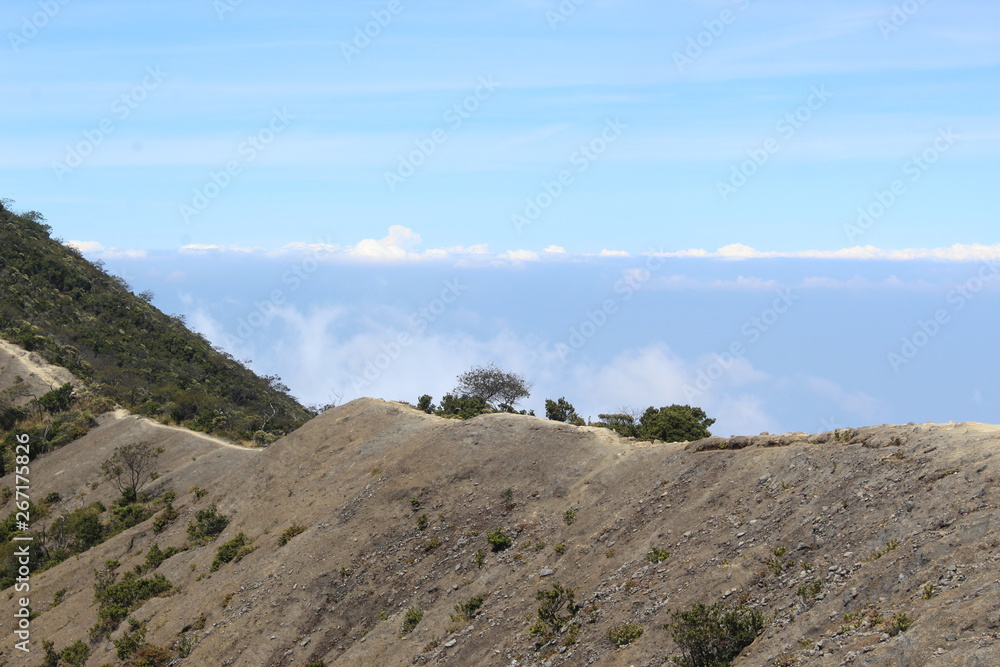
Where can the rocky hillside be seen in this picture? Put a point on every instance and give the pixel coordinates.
(869, 547)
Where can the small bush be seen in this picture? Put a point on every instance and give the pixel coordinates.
(232, 551)
(498, 540)
(290, 532)
(657, 555)
(467, 610)
(809, 589)
(131, 640)
(433, 544)
(411, 619)
(899, 623)
(624, 634)
(422, 522)
(206, 525)
(557, 608)
(569, 516)
(713, 635)
(559, 548)
(480, 557)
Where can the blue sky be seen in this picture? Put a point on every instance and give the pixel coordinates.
(847, 149)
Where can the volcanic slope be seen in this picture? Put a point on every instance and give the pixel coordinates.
(374, 509)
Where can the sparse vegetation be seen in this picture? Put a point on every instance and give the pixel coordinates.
(129, 467)
(467, 610)
(569, 516)
(232, 551)
(116, 599)
(713, 635)
(290, 532)
(899, 623)
(411, 619)
(206, 525)
(624, 634)
(480, 557)
(557, 608)
(498, 540)
(422, 521)
(809, 589)
(657, 555)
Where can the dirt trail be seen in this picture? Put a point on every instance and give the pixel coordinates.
(38, 374)
(122, 413)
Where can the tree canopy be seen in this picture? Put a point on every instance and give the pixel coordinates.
(674, 423)
(499, 389)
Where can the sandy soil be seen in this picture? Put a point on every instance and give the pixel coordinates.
(878, 517)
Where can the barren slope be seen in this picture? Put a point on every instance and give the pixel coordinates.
(758, 521)
(38, 375)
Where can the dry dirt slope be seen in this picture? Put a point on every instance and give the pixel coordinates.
(874, 517)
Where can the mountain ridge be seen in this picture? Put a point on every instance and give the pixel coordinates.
(873, 516)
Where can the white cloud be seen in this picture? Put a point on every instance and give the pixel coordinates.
(97, 250)
(555, 250)
(955, 253)
(520, 256)
(613, 253)
(86, 247)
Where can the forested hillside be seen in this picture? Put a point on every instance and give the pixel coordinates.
(74, 314)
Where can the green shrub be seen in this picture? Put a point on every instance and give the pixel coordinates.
(557, 608)
(124, 516)
(206, 525)
(422, 522)
(657, 555)
(411, 619)
(569, 516)
(624, 634)
(155, 556)
(117, 600)
(290, 532)
(899, 623)
(480, 557)
(498, 540)
(467, 610)
(232, 551)
(713, 635)
(131, 640)
(809, 589)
